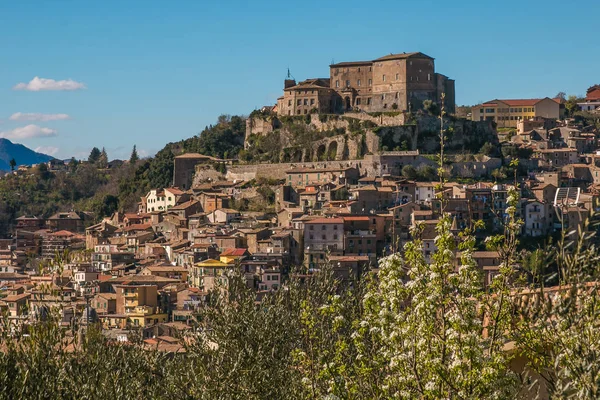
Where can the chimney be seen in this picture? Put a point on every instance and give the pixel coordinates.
(289, 83)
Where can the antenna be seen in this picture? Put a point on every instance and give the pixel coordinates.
(289, 74)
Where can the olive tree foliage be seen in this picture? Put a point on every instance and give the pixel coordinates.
(428, 321)
(52, 363)
(558, 330)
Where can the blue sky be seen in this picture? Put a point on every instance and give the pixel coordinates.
(158, 71)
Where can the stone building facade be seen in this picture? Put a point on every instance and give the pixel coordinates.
(397, 82)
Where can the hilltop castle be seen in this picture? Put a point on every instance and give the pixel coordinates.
(399, 82)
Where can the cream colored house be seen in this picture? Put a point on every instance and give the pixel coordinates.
(508, 113)
(162, 199)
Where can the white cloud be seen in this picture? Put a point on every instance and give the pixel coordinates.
(38, 117)
(37, 84)
(49, 150)
(143, 153)
(28, 132)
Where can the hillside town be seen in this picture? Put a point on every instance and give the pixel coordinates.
(347, 199)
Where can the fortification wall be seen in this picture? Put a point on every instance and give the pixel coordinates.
(278, 171)
(372, 165)
(330, 124)
(381, 120)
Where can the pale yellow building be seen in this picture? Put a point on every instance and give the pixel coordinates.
(508, 113)
(209, 274)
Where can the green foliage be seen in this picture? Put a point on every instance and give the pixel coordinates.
(224, 138)
(571, 106)
(267, 194)
(516, 151)
(134, 158)
(13, 164)
(43, 193)
(94, 155)
(586, 119)
(423, 172)
(488, 149)
(73, 163)
(409, 172)
(354, 125)
(368, 124)
(103, 159)
(387, 113)
(431, 107)
(84, 187)
(341, 194)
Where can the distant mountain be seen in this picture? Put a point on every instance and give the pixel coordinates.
(21, 154)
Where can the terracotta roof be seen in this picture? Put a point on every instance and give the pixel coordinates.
(423, 212)
(63, 233)
(16, 297)
(185, 205)
(108, 296)
(314, 83)
(196, 155)
(292, 210)
(349, 63)
(12, 275)
(133, 279)
(137, 227)
(175, 191)
(486, 254)
(136, 216)
(160, 268)
(234, 252)
(355, 218)
(516, 102)
(401, 56)
(326, 221)
(228, 210)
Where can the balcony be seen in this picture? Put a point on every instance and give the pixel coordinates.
(131, 302)
(140, 311)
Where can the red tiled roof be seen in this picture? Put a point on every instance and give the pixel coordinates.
(515, 102)
(234, 252)
(325, 221)
(63, 233)
(175, 191)
(137, 227)
(355, 218)
(136, 216)
(521, 102)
